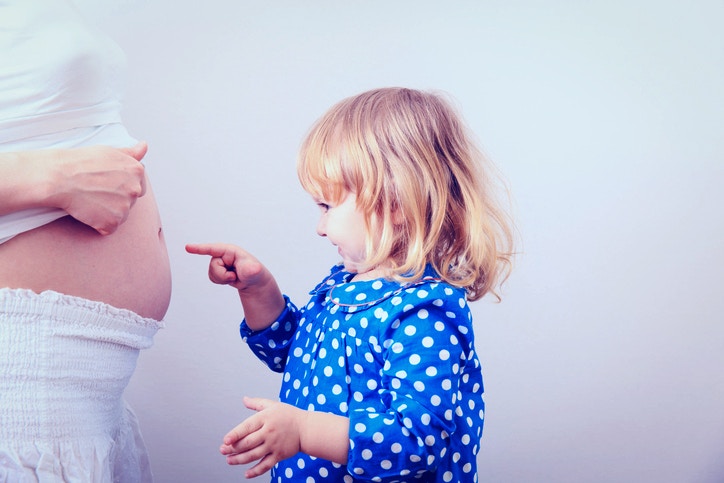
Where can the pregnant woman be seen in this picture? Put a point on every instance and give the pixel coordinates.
(84, 271)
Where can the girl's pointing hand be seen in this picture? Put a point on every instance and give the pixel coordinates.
(230, 265)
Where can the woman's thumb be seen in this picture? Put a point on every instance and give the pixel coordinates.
(138, 151)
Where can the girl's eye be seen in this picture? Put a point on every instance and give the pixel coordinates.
(323, 206)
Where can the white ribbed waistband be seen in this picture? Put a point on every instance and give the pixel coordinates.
(68, 314)
(64, 364)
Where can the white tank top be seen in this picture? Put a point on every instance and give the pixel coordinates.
(61, 83)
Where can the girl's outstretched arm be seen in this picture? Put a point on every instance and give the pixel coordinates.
(278, 431)
(261, 299)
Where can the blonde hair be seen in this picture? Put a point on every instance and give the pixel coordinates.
(420, 181)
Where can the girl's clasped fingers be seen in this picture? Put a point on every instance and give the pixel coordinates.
(248, 442)
(245, 444)
(244, 439)
(241, 431)
(248, 454)
(262, 467)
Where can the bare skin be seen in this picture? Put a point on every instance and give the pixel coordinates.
(119, 257)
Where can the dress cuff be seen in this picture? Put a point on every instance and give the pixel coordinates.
(245, 331)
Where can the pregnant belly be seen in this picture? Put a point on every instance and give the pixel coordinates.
(128, 269)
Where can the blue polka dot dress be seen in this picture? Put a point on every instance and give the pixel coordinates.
(399, 361)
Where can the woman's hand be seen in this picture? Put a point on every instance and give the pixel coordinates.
(96, 185)
(99, 185)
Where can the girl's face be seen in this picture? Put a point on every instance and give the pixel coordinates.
(344, 225)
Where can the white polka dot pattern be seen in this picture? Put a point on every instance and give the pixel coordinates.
(399, 361)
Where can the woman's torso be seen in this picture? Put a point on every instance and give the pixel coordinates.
(128, 269)
(61, 89)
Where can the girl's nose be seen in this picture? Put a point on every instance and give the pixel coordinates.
(321, 227)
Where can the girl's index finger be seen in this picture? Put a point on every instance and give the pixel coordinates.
(194, 248)
(211, 249)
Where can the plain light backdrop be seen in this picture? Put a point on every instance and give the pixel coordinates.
(605, 360)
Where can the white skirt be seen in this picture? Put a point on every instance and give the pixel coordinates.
(64, 364)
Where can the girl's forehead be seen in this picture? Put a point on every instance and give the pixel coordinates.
(329, 195)
(321, 186)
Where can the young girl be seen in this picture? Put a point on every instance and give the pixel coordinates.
(381, 378)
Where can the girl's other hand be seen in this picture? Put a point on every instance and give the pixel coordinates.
(269, 436)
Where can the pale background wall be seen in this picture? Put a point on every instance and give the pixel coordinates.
(605, 361)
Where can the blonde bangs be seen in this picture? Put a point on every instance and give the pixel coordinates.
(320, 163)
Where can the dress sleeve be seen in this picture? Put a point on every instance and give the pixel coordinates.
(272, 344)
(426, 352)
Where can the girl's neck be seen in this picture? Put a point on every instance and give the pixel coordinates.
(373, 274)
